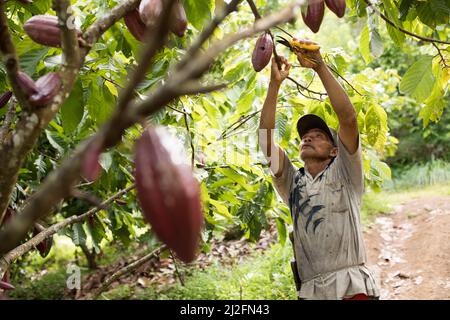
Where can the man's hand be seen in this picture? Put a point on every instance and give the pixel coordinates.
(308, 58)
(278, 76)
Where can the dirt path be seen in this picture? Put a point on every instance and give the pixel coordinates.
(411, 246)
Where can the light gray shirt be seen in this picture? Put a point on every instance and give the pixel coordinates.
(325, 210)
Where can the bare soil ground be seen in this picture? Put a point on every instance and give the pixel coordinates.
(411, 247)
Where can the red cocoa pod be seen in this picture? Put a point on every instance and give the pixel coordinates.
(178, 20)
(314, 15)
(337, 6)
(4, 98)
(135, 24)
(90, 167)
(150, 10)
(6, 286)
(44, 29)
(168, 193)
(26, 83)
(44, 246)
(262, 52)
(48, 86)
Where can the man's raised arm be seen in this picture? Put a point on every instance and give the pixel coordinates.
(348, 126)
(267, 121)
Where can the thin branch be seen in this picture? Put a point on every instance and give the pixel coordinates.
(104, 23)
(153, 41)
(444, 62)
(127, 269)
(340, 76)
(206, 34)
(194, 87)
(254, 9)
(17, 252)
(370, 4)
(186, 123)
(176, 268)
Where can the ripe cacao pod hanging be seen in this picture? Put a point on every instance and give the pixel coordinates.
(27, 84)
(6, 286)
(178, 20)
(4, 98)
(337, 6)
(90, 167)
(135, 24)
(314, 15)
(150, 10)
(45, 245)
(262, 52)
(48, 86)
(168, 193)
(44, 29)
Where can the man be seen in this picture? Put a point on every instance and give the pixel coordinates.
(325, 196)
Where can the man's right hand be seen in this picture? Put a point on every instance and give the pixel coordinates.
(277, 75)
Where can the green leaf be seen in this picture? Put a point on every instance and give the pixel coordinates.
(105, 161)
(397, 36)
(282, 233)
(198, 11)
(419, 80)
(78, 234)
(376, 127)
(30, 60)
(56, 141)
(73, 108)
(364, 45)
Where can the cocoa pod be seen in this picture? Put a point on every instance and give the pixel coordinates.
(135, 24)
(168, 193)
(4, 98)
(150, 10)
(262, 52)
(178, 20)
(44, 29)
(26, 1)
(6, 286)
(90, 167)
(314, 15)
(337, 6)
(27, 84)
(48, 86)
(44, 246)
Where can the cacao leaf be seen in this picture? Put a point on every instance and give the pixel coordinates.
(314, 15)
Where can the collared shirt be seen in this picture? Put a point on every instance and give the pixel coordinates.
(328, 242)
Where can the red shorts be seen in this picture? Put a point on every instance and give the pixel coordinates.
(359, 296)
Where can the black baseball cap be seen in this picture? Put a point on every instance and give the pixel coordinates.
(311, 121)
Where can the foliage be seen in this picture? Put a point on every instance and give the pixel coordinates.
(387, 74)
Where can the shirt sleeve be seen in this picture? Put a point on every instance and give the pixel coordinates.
(351, 166)
(283, 183)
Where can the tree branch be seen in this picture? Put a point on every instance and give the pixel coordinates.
(127, 269)
(370, 4)
(19, 251)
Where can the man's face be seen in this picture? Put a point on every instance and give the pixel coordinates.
(316, 145)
